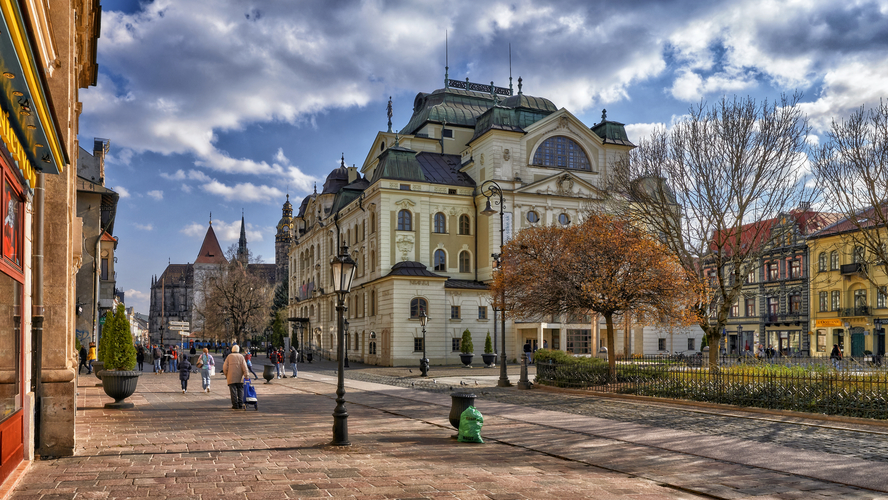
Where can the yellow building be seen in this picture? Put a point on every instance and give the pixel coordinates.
(849, 303)
(413, 223)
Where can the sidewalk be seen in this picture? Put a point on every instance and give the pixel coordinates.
(174, 445)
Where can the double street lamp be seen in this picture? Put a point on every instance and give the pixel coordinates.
(343, 272)
(424, 362)
(495, 189)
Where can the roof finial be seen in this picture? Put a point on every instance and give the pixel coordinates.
(519, 85)
(342, 161)
(493, 93)
(316, 188)
(446, 66)
(510, 69)
(388, 111)
(603, 115)
(397, 139)
(211, 218)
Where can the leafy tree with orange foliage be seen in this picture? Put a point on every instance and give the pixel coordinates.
(604, 265)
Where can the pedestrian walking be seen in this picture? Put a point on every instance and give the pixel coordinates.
(83, 362)
(157, 352)
(527, 351)
(193, 351)
(174, 360)
(249, 359)
(293, 353)
(235, 368)
(90, 357)
(206, 364)
(835, 356)
(184, 373)
(140, 356)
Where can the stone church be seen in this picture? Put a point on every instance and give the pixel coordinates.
(178, 289)
(411, 217)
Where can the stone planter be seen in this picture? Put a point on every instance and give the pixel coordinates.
(489, 359)
(97, 367)
(119, 385)
(459, 402)
(466, 359)
(268, 373)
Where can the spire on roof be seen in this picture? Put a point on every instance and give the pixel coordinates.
(519, 86)
(388, 111)
(603, 115)
(242, 241)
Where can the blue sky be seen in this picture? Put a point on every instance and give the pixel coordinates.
(229, 108)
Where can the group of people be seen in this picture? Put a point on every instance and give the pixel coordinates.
(87, 357)
(277, 357)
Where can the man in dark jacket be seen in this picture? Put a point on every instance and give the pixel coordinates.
(293, 360)
(83, 355)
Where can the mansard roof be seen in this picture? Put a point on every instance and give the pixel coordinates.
(403, 164)
(412, 268)
(612, 133)
(210, 251)
(398, 163)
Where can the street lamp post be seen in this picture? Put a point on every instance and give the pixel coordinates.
(424, 362)
(495, 189)
(343, 271)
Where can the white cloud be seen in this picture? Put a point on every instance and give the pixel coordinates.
(194, 229)
(639, 131)
(244, 192)
(156, 194)
(122, 191)
(138, 299)
(144, 227)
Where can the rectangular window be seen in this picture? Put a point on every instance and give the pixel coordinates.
(860, 298)
(881, 297)
(447, 133)
(796, 269)
(454, 344)
(579, 341)
(773, 271)
(795, 304)
(661, 344)
(405, 187)
(482, 312)
(750, 278)
(750, 307)
(417, 344)
(735, 310)
(454, 312)
(451, 191)
(104, 269)
(824, 301)
(836, 300)
(692, 344)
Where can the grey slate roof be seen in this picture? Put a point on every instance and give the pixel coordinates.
(466, 284)
(612, 133)
(400, 164)
(443, 169)
(412, 268)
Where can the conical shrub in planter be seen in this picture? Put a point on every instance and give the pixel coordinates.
(117, 352)
(466, 348)
(489, 356)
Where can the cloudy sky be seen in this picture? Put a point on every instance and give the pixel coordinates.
(227, 106)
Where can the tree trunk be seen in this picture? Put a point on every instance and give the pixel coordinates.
(714, 341)
(611, 352)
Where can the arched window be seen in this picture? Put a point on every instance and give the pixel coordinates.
(859, 255)
(465, 262)
(464, 227)
(405, 221)
(440, 260)
(821, 261)
(834, 260)
(440, 223)
(418, 304)
(560, 151)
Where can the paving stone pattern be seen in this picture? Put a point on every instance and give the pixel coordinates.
(174, 445)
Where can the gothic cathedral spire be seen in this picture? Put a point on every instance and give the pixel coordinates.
(242, 254)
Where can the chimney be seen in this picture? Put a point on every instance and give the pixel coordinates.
(100, 149)
(352, 174)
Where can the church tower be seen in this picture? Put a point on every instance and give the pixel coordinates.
(242, 252)
(282, 241)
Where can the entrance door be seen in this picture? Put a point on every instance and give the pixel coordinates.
(879, 348)
(857, 342)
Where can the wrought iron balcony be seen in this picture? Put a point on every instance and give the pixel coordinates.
(777, 318)
(854, 311)
(855, 268)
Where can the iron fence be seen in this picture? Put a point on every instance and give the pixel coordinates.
(814, 385)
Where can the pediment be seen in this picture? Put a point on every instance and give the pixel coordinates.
(563, 183)
(563, 122)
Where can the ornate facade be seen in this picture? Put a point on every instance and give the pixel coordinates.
(411, 219)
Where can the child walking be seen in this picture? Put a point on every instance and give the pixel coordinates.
(184, 373)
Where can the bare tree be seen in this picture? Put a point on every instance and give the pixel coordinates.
(710, 186)
(235, 300)
(852, 168)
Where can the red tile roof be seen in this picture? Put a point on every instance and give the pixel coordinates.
(210, 251)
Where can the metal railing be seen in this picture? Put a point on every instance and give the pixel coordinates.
(849, 387)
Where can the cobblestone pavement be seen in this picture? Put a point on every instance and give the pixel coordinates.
(174, 445)
(864, 443)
